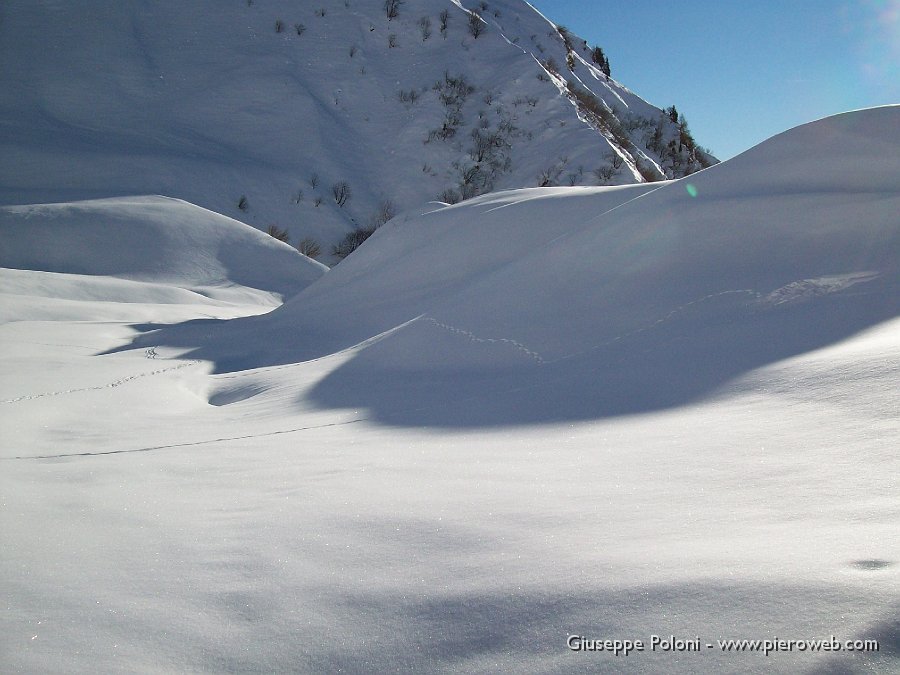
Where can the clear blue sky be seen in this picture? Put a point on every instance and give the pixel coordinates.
(742, 71)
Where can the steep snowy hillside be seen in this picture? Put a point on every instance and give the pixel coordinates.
(314, 117)
(646, 412)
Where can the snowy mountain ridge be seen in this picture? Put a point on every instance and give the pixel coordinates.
(315, 118)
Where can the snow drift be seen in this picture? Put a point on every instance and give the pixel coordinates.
(150, 239)
(574, 303)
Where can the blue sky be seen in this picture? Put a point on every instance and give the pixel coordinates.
(744, 71)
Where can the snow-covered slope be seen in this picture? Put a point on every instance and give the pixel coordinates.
(140, 250)
(278, 102)
(601, 294)
(617, 413)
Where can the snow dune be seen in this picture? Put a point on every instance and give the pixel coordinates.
(612, 412)
(145, 249)
(537, 305)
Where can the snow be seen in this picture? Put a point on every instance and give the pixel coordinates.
(611, 412)
(206, 102)
(156, 240)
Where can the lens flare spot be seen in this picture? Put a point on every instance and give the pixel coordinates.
(691, 189)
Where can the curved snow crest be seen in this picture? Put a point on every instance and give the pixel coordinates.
(847, 152)
(150, 239)
(549, 304)
(638, 298)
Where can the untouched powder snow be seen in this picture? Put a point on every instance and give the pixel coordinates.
(621, 412)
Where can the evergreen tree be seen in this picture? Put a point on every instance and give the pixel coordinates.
(598, 57)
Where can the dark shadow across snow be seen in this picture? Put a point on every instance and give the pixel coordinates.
(671, 364)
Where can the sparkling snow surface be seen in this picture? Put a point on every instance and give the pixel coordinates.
(665, 409)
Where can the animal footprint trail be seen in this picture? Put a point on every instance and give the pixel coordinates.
(101, 387)
(474, 338)
(540, 360)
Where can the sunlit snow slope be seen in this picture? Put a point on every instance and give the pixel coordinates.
(609, 412)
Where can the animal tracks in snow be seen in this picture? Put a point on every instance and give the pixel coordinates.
(803, 290)
(474, 338)
(188, 444)
(540, 360)
(101, 387)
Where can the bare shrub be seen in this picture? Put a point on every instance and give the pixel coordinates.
(309, 247)
(341, 193)
(449, 196)
(604, 173)
(477, 25)
(410, 96)
(392, 8)
(551, 66)
(385, 211)
(277, 233)
(453, 90)
(484, 143)
(549, 177)
(425, 27)
(647, 171)
(472, 180)
(596, 112)
(351, 241)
